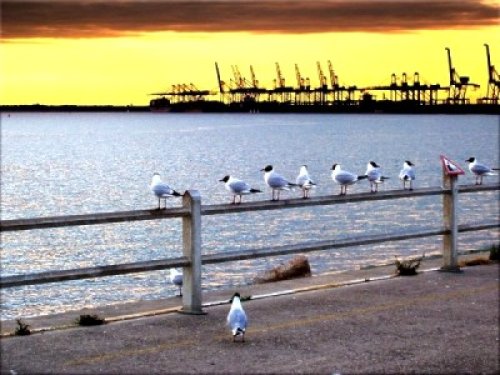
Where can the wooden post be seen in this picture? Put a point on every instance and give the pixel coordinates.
(450, 221)
(191, 239)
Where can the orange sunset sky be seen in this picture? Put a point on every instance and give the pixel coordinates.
(117, 52)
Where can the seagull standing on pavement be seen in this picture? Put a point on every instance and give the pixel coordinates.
(161, 190)
(374, 176)
(480, 170)
(276, 182)
(236, 318)
(176, 279)
(344, 178)
(237, 187)
(407, 174)
(304, 181)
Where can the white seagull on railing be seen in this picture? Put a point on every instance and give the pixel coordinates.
(304, 181)
(480, 170)
(238, 187)
(161, 190)
(374, 176)
(276, 182)
(407, 174)
(344, 178)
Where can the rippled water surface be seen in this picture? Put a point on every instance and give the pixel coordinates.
(59, 164)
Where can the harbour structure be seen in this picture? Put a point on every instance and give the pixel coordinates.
(493, 90)
(404, 93)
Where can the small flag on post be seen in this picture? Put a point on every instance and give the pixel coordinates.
(450, 167)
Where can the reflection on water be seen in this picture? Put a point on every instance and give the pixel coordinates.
(59, 164)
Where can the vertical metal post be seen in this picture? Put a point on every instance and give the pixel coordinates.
(191, 239)
(450, 221)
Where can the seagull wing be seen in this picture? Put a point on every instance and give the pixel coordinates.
(239, 187)
(480, 169)
(237, 319)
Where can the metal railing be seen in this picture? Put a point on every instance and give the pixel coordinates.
(192, 210)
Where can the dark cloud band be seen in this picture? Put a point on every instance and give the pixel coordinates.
(26, 19)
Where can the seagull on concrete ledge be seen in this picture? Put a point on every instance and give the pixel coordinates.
(344, 178)
(480, 170)
(276, 182)
(236, 318)
(407, 174)
(161, 190)
(304, 181)
(238, 187)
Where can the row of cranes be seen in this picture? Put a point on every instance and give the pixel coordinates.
(403, 88)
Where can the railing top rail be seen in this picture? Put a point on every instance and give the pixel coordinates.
(177, 212)
(91, 219)
(317, 201)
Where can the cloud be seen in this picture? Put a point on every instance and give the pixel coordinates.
(94, 18)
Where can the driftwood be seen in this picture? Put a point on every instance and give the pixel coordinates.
(408, 267)
(297, 267)
(89, 320)
(22, 328)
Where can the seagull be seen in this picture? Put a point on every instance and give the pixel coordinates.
(176, 279)
(374, 176)
(344, 178)
(236, 318)
(304, 181)
(238, 187)
(276, 182)
(162, 190)
(407, 174)
(480, 170)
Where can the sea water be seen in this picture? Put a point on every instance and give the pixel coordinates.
(75, 163)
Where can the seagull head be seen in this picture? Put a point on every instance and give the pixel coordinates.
(235, 295)
(225, 179)
(471, 160)
(335, 167)
(373, 164)
(409, 163)
(268, 168)
(156, 178)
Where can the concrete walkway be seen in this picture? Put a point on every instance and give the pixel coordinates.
(435, 322)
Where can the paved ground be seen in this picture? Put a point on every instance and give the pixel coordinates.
(434, 322)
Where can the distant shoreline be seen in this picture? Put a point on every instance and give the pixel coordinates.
(374, 108)
(72, 108)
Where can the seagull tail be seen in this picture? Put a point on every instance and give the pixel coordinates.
(362, 177)
(255, 191)
(176, 194)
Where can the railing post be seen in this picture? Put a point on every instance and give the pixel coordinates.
(191, 239)
(450, 221)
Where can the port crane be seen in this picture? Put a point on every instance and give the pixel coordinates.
(280, 89)
(458, 84)
(493, 90)
(322, 91)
